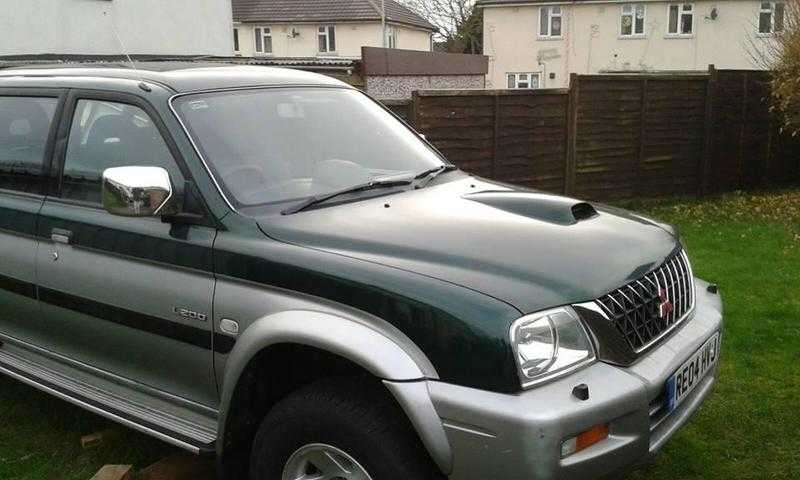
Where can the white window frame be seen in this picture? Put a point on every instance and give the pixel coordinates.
(391, 36)
(237, 41)
(681, 13)
(771, 12)
(325, 31)
(518, 79)
(265, 33)
(622, 14)
(553, 11)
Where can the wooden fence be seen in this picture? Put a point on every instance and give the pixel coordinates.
(401, 108)
(616, 136)
(748, 148)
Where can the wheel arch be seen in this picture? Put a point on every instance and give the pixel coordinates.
(354, 346)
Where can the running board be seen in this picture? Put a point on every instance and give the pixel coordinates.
(168, 428)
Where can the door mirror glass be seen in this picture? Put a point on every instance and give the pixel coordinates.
(137, 192)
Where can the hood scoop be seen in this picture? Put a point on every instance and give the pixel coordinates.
(537, 206)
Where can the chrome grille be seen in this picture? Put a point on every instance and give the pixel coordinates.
(641, 309)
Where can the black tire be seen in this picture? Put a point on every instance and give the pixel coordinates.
(357, 417)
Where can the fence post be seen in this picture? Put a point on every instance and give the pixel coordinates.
(413, 113)
(572, 134)
(766, 176)
(704, 172)
(743, 131)
(640, 147)
(496, 134)
(767, 171)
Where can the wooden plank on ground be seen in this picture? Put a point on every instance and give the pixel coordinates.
(180, 466)
(114, 472)
(98, 438)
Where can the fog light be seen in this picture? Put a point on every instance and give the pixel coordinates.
(584, 440)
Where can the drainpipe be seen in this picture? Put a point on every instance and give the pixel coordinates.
(383, 21)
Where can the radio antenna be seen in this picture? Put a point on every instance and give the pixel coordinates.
(142, 84)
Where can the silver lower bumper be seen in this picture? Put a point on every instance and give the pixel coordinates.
(497, 436)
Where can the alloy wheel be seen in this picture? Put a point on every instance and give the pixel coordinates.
(323, 462)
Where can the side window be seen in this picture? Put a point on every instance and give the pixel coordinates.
(523, 80)
(770, 18)
(24, 127)
(327, 39)
(550, 22)
(681, 19)
(633, 20)
(108, 135)
(263, 36)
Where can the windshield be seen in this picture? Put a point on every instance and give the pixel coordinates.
(286, 144)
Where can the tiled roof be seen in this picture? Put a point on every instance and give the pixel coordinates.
(285, 11)
(490, 3)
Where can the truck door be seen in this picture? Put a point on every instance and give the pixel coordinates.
(131, 297)
(27, 131)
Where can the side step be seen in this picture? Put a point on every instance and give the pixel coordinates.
(168, 428)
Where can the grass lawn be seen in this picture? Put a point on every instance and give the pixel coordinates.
(749, 244)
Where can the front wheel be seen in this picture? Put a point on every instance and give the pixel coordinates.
(318, 461)
(339, 430)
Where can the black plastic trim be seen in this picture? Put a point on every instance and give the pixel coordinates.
(197, 337)
(20, 287)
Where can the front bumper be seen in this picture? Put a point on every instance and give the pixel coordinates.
(497, 436)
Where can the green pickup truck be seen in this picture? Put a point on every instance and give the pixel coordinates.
(267, 266)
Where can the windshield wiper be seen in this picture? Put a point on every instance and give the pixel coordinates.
(429, 175)
(372, 185)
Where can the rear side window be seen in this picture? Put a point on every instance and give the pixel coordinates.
(25, 124)
(108, 135)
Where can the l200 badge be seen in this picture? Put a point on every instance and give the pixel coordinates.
(189, 314)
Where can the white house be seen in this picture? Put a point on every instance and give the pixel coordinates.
(539, 43)
(101, 27)
(325, 28)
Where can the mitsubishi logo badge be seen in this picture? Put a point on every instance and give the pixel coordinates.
(665, 307)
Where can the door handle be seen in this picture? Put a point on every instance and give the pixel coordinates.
(58, 235)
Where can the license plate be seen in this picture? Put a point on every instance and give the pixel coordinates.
(689, 375)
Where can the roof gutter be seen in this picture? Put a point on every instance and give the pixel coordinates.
(528, 3)
(389, 21)
(383, 22)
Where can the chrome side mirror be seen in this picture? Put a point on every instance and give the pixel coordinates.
(137, 191)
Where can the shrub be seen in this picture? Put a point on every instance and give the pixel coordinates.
(786, 78)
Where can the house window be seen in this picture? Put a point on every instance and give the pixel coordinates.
(327, 39)
(550, 22)
(391, 37)
(681, 19)
(236, 40)
(771, 17)
(632, 22)
(523, 80)
(263, 39)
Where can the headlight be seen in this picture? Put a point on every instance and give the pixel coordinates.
(550, 344)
